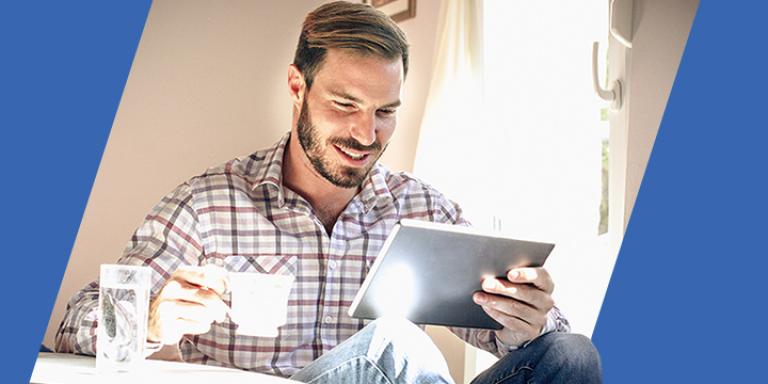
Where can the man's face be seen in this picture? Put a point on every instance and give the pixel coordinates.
(349, 115)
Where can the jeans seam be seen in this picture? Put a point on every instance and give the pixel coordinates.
(366, 358)
(512, 374)
(376, 366)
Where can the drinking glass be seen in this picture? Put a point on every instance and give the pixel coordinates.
(123, 310)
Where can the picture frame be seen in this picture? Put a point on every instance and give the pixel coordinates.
(398, 10)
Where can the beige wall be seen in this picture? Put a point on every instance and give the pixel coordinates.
(208, 83)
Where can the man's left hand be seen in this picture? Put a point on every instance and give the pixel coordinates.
(520, 303)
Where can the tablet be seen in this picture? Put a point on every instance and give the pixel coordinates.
(427, 272)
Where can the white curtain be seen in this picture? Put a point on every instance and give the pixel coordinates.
(452, 126)
(512, 131)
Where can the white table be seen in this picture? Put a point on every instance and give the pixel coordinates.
(62, 368)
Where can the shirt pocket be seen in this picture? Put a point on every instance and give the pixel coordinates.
(268, 264)
(271, 264)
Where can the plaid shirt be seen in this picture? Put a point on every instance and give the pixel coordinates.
(240, 216)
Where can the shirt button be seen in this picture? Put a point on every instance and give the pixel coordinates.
(328, 319)
(332, 264)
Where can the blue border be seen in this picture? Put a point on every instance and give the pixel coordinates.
(686, 298)
(63, 67)
(685, 302)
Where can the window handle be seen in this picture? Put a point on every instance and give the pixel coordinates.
(613, 92)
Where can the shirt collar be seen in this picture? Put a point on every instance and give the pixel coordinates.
(270, 172)
(375, 190)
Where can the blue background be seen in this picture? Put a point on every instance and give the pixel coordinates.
(687, 295)
(63, 66)
(685, 302)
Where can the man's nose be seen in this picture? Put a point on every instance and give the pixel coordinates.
(364, 129)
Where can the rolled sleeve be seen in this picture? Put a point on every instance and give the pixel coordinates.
(167, 239)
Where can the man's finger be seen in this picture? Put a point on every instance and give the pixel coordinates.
(209, 276)
(539, 277)
(525, 293)
(175, 329)
(511, 307)
(192, 327)
(512, 323)
(176, 318)
(175, 293)
(193, 311)
(177, 289)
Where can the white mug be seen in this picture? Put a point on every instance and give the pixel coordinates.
(259, 302)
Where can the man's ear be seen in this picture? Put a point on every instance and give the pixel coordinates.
(296, 85)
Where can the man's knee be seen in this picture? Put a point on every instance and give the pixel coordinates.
(572, 353)
(400, 346)
(398, 335)
(396, 329)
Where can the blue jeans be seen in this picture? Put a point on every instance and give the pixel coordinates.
(551, 358)
(393, 351)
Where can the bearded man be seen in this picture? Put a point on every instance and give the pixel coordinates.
(317, 205)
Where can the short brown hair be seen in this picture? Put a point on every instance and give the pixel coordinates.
(352, 26)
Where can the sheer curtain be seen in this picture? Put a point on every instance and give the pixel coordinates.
(512, 131)
(452, 128)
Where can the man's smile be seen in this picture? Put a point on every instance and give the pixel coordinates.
(351, 156)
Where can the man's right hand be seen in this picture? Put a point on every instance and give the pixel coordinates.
(189, 302)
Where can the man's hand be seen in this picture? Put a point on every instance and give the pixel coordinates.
(520, 303)
(188, 304)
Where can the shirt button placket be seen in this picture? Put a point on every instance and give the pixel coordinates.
(335, 250)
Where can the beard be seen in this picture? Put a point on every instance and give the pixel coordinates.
(337, 174)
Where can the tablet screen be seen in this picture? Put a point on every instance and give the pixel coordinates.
(427, 273)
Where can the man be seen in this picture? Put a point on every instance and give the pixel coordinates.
(318, 206)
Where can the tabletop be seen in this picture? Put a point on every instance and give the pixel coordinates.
(63, 368)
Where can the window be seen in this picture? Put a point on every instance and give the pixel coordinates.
(514, 109)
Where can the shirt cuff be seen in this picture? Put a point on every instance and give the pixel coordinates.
(150, 347)
(549, 326)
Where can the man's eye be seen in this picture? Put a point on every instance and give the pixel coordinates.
(387, 112)
(343, 105)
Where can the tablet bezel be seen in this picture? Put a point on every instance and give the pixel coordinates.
(363, 306)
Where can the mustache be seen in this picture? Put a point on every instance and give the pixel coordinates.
(354, 144)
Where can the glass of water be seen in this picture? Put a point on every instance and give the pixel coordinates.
(123, 310)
